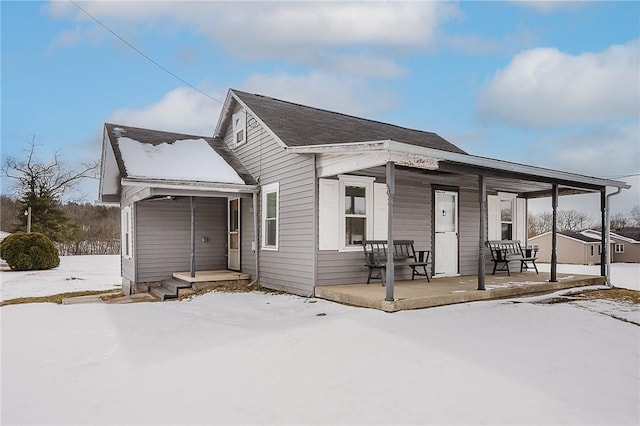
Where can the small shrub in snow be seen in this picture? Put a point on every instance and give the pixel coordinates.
(27, 252)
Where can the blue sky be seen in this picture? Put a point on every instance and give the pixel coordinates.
(553, 84)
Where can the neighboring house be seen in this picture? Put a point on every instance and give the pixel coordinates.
(325, 181)
(572, 247)
(625, 244)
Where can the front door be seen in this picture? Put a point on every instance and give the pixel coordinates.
(446, 233)
(233, 243)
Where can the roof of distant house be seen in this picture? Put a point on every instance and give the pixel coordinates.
(632, 233)
(581, 237)
(300, 125)
(153, 154)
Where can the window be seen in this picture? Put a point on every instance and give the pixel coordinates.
(350, 209)
(619, 248)
(356, 221)
(126, 231)
(591, 250)
(506, 219)
(239, 128)
(270, 210)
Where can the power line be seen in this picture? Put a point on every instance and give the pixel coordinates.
(144, 55)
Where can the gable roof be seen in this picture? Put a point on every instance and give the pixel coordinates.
(153, 154)
(300, 125)
(630, 233)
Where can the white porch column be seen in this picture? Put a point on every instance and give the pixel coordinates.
(193, 237)
(482, 191)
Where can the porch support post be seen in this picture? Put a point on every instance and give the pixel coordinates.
(391, 189)
(554, 234)
(604, 247)
(482, 191)
(193, 237)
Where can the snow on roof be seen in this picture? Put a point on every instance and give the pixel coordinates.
(186, 159)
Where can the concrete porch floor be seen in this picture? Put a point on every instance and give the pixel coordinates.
(211, 276)
(449, 290)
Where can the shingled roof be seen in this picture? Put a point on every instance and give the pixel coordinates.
(156, 137)
(579, 236)
(299, 125)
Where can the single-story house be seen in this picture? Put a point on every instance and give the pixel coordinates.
(624, 244)
(573, 247)
(286, 193)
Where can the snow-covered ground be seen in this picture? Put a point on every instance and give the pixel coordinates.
(75, 273)
(257, 358)
(624, 275)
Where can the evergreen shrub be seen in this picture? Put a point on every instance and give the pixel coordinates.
(29, 252)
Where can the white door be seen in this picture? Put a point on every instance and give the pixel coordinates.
(446, 230)
(233, 243)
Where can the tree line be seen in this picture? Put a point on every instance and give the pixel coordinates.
(575, 221)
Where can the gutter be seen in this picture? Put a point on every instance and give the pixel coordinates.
(454, 157)
(607, 238)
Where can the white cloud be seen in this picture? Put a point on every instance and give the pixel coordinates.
(545, 87)
(323, 90)
(547, 6)
(182, 110)
(292, 31)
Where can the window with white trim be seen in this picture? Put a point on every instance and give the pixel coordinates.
(239, 128)
(351, 208)
(356, 211)
(126, 230)
(270, 215)
(506, 219)
(619, 248)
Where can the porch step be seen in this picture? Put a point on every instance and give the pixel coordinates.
(169, 288)
(163, 293)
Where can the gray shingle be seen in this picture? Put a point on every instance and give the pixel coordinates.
(299, 125)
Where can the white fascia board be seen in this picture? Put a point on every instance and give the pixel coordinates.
(464, 159)
(109, 184)
(350, 162)
(225, 115)
(194, 186)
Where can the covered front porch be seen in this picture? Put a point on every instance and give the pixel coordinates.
(451, 290)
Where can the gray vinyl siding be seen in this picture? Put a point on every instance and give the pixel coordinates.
(291, 267)
(412, 221)
(468, 230)
(413, 215)
(164, 237)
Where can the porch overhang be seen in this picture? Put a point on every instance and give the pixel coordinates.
(347, 157)
(154, 188)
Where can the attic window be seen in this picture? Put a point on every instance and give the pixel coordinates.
(239, 128)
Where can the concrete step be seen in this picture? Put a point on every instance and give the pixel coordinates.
(174, 285)
(163, 293)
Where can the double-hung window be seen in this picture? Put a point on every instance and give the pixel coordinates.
(270, 215)
(506, 219)
(356, 219)
(619, 248)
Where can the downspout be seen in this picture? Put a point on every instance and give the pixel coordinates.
(607, 238)
(255, 237)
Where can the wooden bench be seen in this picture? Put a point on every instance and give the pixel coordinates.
(375, 255)
(505, 251)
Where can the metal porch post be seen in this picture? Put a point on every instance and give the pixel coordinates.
(193, 237)
(391, 189)
(554, 234)
(482, 191)
(604, 247)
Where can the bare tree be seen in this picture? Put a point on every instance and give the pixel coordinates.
(567, 220)
(51, 178)
(618, 221)
(40, 185)
(635, 215)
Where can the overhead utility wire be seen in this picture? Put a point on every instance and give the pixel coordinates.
(144, 55)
